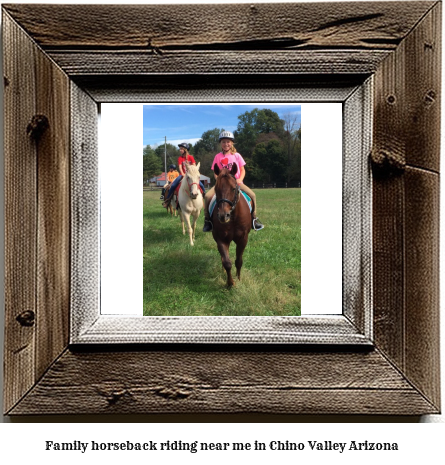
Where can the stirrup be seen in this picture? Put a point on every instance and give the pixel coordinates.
(257, 225)
(208, 226)
(166, 203)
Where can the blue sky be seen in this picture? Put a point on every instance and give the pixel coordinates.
(186, 123)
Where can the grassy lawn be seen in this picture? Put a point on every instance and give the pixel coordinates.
(183, 280)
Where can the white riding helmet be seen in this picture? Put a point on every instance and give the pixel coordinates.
(226, 135)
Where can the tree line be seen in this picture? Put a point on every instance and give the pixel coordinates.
(270, 146)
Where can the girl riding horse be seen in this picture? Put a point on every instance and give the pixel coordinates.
(184, 160)
(226, 159)
(171, 176)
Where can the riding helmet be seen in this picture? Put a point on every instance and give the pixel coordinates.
(185, 145)
(172, 167)
(226, 135)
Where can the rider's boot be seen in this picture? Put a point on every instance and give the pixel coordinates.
(166, 203)
(256, 223)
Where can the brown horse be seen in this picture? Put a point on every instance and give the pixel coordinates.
(231, 220)
(169, 207)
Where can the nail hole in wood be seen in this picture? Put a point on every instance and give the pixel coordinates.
(430, 97)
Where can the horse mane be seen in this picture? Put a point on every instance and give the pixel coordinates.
(193, 169)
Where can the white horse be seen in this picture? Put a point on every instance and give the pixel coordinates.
(190, 200)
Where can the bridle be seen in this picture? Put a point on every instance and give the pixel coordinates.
(235, 201)
(190, 185)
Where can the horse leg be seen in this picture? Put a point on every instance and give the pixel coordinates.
(194, 223)
(181, 215)
(194, 226)
(240, 246)
(227, 264)
(189, 228)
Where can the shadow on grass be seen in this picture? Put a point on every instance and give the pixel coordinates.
(156, 214)
(196, 273)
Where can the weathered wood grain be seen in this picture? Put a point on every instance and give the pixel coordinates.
(422, 364)
(357, 209)
(85, 211)
(423, 91)
(275, 25)
(118, 62)
(37, 219)
(388, 268)
(406, 239)
(20, 213)
(223, 382)
(218, 87)
(273, 330)
(53, 222)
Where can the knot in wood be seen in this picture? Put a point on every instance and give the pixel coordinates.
(114, 397)
(26, 318)
(37, 126)
(173, 393)
(387, 163)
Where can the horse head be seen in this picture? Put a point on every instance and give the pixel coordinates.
(192, 177)
(226, 190)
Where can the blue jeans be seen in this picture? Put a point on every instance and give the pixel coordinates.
(175, 183)
(173, 186)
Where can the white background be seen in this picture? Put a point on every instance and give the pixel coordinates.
(25, 443)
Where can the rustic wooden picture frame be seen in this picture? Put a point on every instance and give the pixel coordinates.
(59, 68)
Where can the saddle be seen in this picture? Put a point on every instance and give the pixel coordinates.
(179, 186)
(177, 193)
(213, 202)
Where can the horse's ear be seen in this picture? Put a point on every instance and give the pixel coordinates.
(198, 165)
(216, 169)
(234, 169)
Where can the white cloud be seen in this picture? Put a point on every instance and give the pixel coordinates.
(177, 141)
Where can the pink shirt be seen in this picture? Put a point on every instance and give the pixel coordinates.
(227, 161)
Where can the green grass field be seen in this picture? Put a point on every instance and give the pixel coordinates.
(180, 279)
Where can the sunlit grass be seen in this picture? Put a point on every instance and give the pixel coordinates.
(183, 280)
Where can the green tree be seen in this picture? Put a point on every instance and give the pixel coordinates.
(152, 165)
(294, 169)
(173, 154)
(209, 142)
(253, 123)
(205, 150)
(269, 160)
(292, 140)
